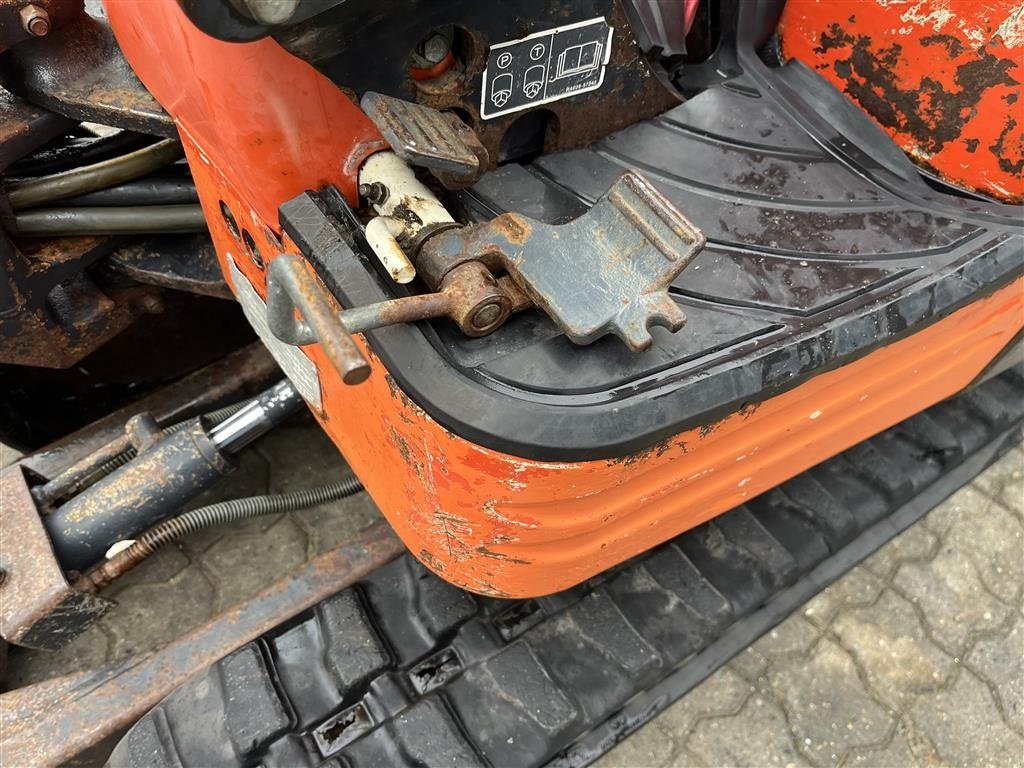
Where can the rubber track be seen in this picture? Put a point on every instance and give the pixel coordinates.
(406, 670)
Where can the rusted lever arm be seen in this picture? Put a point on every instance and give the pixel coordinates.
(290, 286)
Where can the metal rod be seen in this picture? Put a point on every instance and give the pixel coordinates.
(408, 309)
(110, 221)
(257, 417)
(107, 173)
(53, 722)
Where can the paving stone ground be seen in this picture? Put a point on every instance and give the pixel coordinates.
(914, 658)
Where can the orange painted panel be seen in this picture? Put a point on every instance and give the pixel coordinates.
(504, 525)
(275, 125)
(491, 522)
(942, 77)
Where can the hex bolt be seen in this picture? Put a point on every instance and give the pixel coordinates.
(35, 20)
(375, 192)
(436, 47)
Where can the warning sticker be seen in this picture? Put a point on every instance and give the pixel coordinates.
(545, 67)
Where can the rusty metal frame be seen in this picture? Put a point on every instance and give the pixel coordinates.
(81, 716)
(38, 608)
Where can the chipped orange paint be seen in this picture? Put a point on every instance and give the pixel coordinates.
(942, 77)
(507, 526)
(504, 525)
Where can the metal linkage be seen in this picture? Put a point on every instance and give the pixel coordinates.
(606, 272)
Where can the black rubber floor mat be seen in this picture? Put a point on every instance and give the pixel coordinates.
(406, 670)
(824, 243)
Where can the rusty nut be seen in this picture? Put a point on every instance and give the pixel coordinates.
(35, 20)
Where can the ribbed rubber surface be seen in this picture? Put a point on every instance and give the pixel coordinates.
(407, 670)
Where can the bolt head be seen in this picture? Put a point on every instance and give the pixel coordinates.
(436, 47)
(35, 20)
(486, 316)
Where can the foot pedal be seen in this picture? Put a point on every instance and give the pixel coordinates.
(426, 137)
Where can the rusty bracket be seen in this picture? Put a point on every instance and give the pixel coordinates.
(607, 271)
(38, 608)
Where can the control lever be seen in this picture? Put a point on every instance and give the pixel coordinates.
(469, 295)
(606, 272)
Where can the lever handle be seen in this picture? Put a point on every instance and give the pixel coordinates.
(290, 286)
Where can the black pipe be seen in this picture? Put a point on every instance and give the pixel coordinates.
(65, 154)
(29, 193)
(122, 220)
(222, 512)
(149, 191)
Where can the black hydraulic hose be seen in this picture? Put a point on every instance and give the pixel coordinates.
(222, 512)
(88, 178)
(233, 510)
(80, 150)
(120, 220)
(160, 190)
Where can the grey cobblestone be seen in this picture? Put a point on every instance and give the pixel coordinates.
(1000, 662)
(755, 735)
(889, 644)
(828, 708)
(914, 658)
(952, 598)
(967, 730)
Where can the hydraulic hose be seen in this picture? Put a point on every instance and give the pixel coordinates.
(124, 220)
(154, 190)
(222, 512)
(78, 151)
(88, 178)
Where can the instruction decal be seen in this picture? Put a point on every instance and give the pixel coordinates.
(545, 67)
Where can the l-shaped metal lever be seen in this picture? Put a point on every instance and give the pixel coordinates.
(291, 287)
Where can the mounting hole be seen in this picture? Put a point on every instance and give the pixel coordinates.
(252, 249)
(528, 137)
(229, 219)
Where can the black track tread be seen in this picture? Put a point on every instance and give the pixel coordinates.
(425, 674)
